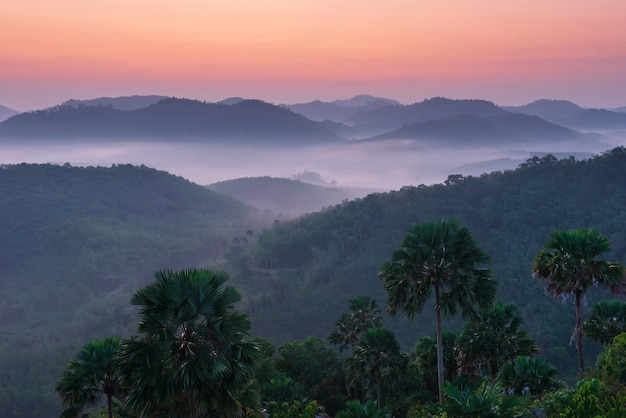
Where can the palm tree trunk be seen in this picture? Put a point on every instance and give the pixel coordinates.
(439, 345)
(110, 405)
(379, 394)
(578, 333)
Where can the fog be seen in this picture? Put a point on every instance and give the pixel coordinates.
(385, 165)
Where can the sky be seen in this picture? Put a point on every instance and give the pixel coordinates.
(287, 51)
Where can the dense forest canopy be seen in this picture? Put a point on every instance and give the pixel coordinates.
(304, 271)
(74, 243)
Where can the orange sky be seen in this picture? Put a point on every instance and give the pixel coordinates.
(282, 51)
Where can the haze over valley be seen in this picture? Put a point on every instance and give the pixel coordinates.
(364, 142)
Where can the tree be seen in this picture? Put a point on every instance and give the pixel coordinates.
(442, 258)
(612, 362)
(191, 330)
(364, 313)
(88, 377)
(533, 375)
(606, 320)
(377, 357)
(354, 409)
(315, 366)
(424, 355)
(570, 266)
(493, 339)
(487, 401)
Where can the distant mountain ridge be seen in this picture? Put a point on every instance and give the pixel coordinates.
(122, 103)
(245, 121)
(474, 130)
(339, 110)
(6, 113)
(236, 120)
(571, 115)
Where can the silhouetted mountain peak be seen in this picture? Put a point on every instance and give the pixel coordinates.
(547, 109)
(362, 100)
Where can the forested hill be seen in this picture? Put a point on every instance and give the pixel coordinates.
(303, 272)
(63, 212)
(247, 121)
(75, 242)
(284, 197)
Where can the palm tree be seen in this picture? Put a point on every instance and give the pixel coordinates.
(190, 356)
(354, 409)
(88, 377)
(532, 375)
(486, 401)
(495, 338)
(364, 313)
(606, 320)
(570, 266)
(442, 258)
(377, 356)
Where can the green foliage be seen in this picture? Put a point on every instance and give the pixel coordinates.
(295, 409)
(76, 243)
(364, 313)
(89, 377)
(606, 320)
(440, 258)
(570, 265)
(190, 328)
(487, 401)
(377, 363)
(424, 355)
(529, 375)
(354, 409)
(487, 343)
(510, 214)
(589, 399)
(314, 366)
(612, 362)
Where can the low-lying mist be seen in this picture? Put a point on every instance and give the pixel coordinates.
(384, 165)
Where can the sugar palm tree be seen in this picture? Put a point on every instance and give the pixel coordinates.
(484, 345)
(377, 356)
(606, 321)
(532, 375)
(190, 357)
(364, 313)
(440, 258)
(89, 377)
(570, 265)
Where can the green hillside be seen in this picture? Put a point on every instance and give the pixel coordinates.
(302, 273)
(75, 242)
(284, 197)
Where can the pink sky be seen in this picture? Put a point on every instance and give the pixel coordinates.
(510, 52)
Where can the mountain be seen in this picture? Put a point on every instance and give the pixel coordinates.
(247, 121)
(552, 110)
(339, 110)
(6, 113)
(76, 242)
(620, 109)
(385, 119)
(120, 103)
(284, 197)
(573, 116)
(470, 130)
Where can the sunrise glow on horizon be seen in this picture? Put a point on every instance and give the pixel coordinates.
(287, 52)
